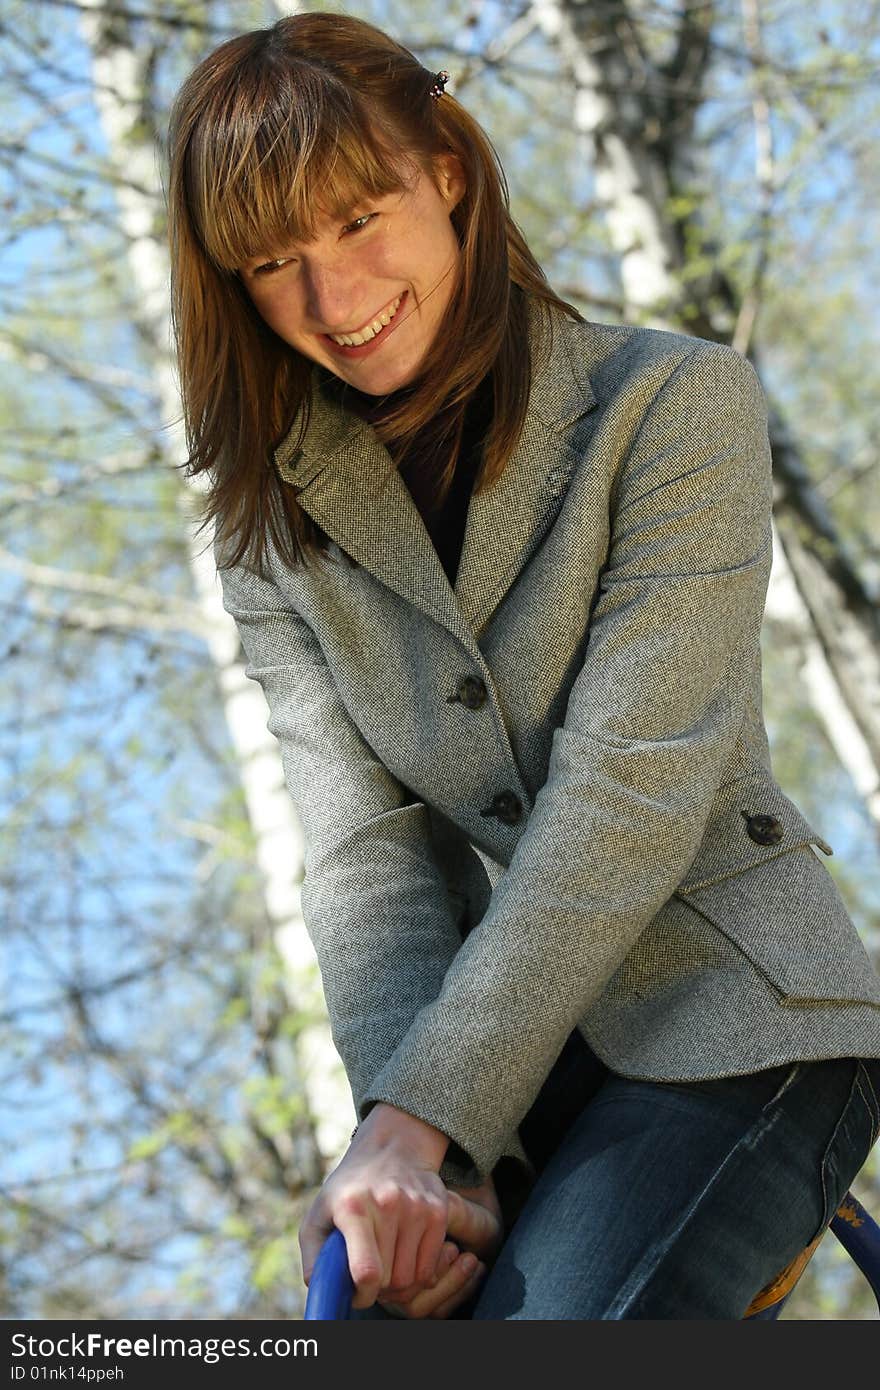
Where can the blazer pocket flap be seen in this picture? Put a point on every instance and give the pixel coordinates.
(788, 916)
(751, 821)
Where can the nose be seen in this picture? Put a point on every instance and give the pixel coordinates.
(333, 299)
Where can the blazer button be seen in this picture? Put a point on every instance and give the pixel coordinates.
(506, 806)
(764, 830)
(471, 691)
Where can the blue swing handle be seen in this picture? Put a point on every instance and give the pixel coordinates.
(331, 1289)
(859, 1235)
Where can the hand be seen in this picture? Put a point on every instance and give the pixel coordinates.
(387, 1199)
(475, 1218)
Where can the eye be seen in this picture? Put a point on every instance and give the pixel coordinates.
(352, 226)
(270, 267)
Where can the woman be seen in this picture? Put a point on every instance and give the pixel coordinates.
(500, 572)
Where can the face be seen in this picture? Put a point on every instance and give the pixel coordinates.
(402, 247)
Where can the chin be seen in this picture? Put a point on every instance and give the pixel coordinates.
(384, 382)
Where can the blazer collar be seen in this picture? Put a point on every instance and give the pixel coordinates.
(350, 487)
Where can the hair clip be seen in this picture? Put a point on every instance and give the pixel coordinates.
(440, 80)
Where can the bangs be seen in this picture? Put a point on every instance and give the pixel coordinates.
(269, 161)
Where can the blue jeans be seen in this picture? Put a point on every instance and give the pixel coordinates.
(673, 1199)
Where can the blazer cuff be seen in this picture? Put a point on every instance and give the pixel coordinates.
(459, 1167)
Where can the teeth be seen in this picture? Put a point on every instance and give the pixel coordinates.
(366, 334)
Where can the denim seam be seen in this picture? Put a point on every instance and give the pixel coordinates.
(827, 1215)
(873, 1110)
(788, 1081)
(764, 1123)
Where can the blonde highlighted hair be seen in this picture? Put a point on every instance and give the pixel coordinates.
(272, 132)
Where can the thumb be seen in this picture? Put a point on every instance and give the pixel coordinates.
(471, 1224)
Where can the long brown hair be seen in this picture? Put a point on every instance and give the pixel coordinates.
(272, 130)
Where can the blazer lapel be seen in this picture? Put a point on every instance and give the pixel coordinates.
(350, 487)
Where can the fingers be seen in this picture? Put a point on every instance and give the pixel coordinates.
(370, 1250)
(430, 1247)
(447, 1255)
(392, 1216)
(469, 1273)
(387, 1243)
(418, 1250)
(392, 1254)
(458, 1276)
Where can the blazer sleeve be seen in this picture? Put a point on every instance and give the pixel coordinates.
(651, 721)
(373, 899)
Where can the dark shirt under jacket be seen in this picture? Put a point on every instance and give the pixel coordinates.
(445, 525)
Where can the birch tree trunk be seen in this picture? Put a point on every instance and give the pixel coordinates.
(636, 118)
(121, 71)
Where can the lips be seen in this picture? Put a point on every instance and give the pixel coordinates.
(364, 349)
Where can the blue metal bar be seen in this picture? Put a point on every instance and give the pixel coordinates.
(859, 1235)
(331, 1287)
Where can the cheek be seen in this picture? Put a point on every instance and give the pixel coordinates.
(276, 310)
(387, 258)
(273, 313)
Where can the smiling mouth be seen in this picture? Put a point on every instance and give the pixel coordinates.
(372, 330)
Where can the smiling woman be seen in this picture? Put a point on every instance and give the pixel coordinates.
(366, 299)
(610, 1031)
(315, 186)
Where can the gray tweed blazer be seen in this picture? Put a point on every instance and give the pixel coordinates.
(543, 799)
